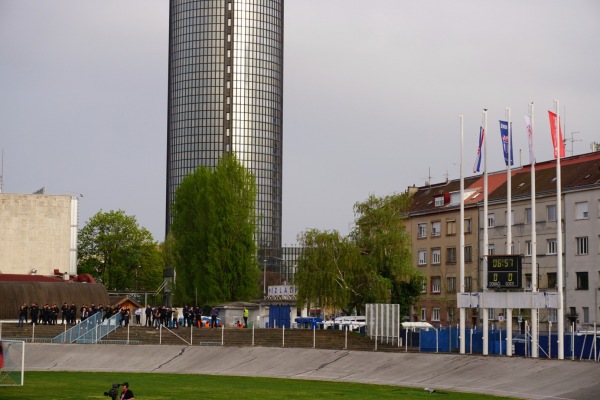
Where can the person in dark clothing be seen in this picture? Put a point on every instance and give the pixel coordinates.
(65, 313)
(148, 314)
(72, 314)
(33, 313)
(198, 313)
(126, 394)
(213, 317)
(22, 315)
(54, 310)
(107, 314)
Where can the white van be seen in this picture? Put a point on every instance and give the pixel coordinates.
(351, 322)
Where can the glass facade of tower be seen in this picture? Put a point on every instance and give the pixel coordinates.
(226, 95)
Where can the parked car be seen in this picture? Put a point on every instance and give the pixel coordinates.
(351, 322)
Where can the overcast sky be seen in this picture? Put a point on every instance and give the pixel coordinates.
(372, 95)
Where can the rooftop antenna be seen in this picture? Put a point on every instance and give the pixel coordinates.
(428, 178)
(565, 140)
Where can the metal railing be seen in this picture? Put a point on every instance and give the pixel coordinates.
(89, 330)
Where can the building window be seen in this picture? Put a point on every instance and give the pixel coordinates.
(421, 230)
(491, 220)
(582, 245)
(451, 282)
(422, 257)
(436, 284)
(551, 246)
(528, 216)
(436, 228)
(528, 247)
(468, 284)
(528, 281)
(551, 280)
(492, 314)
(468, 225)
(586, 315)
(573, 311)
(423, 314)
(551, 211)
(512, 218)
(451, 314)
(436, 256)
(424, 285)
(435, 314)
(491, 249)
(552, 315)
(468, 254)
(451, 255)
(581, 210)
(582, 280)
(439, 201)
(451, 227)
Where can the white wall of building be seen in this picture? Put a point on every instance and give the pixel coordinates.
(38, 232)
(582, 223)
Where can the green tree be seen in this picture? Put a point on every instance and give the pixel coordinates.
(327, 270)
(117, 252)
(380, 232)
(373, 264)
(211, 239)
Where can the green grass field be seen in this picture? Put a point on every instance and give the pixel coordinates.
(90, 385)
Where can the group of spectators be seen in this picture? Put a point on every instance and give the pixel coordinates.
(172, 318)
(48, 314)
(155, 316)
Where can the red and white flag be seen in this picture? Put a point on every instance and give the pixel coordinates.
(477, 165)
(530, 138)
(561, 143)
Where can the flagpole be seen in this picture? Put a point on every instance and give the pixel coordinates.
(462, 238)
(485, 310)
(559, 242)
(509, 226)
(534, 272)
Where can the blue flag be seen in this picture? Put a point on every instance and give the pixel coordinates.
(477, 165)
(504, 136)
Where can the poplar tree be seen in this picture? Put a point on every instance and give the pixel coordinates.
(212, 235)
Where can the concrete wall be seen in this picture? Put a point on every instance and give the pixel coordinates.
(36, 233)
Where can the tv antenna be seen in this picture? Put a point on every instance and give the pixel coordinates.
(428, 178)
(572, 140)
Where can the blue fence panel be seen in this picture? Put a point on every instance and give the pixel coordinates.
(427, 341)
(279, 316)
(448, 340)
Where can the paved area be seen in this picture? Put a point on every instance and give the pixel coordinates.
(515, 377)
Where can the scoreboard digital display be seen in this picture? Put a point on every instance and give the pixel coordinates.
(504, 272)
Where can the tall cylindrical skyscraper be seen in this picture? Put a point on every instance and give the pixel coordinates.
(226, 95)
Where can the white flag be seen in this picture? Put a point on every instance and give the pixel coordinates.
(530, 138)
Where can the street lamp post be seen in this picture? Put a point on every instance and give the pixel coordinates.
(264, 278)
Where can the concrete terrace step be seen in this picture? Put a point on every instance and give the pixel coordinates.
(293, 338)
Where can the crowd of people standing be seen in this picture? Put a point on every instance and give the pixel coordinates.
(49, 314)
(154, 316)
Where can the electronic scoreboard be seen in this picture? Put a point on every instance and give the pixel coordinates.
(504, 271)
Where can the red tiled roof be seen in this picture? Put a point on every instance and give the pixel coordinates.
(29, 278)
(576, 172)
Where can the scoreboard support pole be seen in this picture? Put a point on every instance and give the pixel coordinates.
(509, 332)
